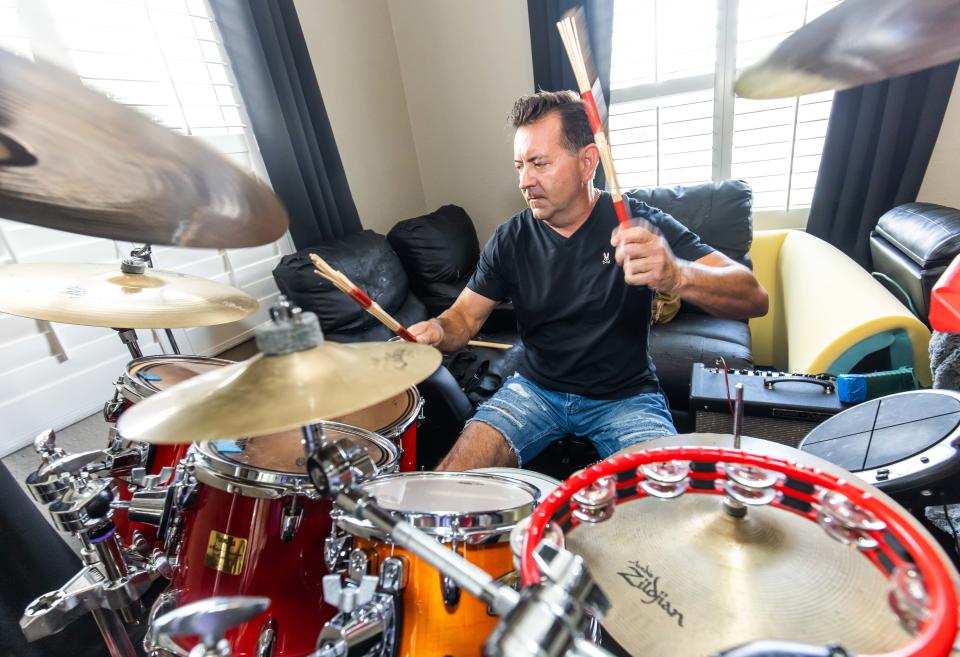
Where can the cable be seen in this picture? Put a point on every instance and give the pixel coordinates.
(726, 381)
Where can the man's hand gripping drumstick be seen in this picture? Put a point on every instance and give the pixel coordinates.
(348, 287)
(646, 258)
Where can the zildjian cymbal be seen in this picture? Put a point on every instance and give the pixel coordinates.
(857, 42)
(687, 579)
(104, 295)
(268, 394)
(73, 160)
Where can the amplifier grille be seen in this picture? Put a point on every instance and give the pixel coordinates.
(786, 432)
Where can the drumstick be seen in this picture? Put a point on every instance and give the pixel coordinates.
(576, 41)
(348, 287)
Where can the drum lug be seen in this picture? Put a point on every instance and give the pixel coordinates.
(267, 639)
(450, 592)
(111, 409)
(336, 551)
(362, 562)
(393, 575)
(290, 520)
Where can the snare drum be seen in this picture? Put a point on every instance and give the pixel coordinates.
(256, 526)
(471, 512)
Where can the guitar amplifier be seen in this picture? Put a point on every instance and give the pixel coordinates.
(777, 406)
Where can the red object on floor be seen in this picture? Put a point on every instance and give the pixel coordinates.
(945, 300)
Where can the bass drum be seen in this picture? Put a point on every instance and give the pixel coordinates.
(256, 526)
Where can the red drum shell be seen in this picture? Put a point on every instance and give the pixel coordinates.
(232, 542)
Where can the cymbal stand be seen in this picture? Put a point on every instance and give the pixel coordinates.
(128, 336)
(531, 625)
(111, 582)
(145, 253)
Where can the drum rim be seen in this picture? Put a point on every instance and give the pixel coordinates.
(134, 390)
(448, 524)
(217, 470)
(414, 405)
(506, 472)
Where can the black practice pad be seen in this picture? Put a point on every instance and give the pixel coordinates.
(884, 431)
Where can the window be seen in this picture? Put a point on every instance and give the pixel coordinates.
(163, 58)
(673, 117)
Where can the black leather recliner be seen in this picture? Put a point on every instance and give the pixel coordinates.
(912, 245)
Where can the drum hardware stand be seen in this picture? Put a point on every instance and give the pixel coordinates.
(210, 619)
(145, 253)
(48, 487)
(111, 581)
(734, 507)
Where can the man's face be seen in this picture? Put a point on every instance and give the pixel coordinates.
(550, 175)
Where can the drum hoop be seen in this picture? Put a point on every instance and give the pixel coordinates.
(408, 417)
(136, 390)
(934, 639)
(219, 471)
(533, 474)
(449, 525)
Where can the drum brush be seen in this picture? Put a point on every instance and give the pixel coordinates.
(348, 287)
(576, 41)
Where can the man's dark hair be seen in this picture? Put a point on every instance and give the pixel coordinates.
(576, 127)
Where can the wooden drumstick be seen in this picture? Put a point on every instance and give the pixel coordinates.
(348, 287)
(573, 33)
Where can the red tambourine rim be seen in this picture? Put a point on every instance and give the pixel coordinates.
(936, 636)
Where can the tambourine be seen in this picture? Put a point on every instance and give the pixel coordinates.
(922, 593)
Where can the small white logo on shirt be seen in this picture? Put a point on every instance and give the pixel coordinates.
(606, 258)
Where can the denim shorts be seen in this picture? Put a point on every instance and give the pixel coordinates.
(531, 417)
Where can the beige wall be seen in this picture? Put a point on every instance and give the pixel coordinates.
(418, 95)
(464, 63)
(355, 59)
(941, 184)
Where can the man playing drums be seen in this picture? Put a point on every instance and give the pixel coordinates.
(582, 289)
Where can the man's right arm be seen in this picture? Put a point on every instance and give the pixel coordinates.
(456, 325)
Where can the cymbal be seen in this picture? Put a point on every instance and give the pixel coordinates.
(687, 579)
(857, 42)
(268, 394)
(73, 160)
(102, 295)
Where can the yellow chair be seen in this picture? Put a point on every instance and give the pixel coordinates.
(827, 312)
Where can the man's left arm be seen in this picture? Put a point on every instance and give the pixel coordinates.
(713, 282)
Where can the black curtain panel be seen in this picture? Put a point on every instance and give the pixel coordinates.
(265, 44)
(551, 67)
(879, 141)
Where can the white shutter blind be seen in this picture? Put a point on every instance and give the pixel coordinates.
(673, 117)
(165, 59)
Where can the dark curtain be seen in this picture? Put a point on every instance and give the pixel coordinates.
(265, 44)
(551, 67)
(879, 141)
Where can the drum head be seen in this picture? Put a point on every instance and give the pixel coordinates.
(544, 483)
(282, 452)
(146, 376)
(446, 503)
(389, 418)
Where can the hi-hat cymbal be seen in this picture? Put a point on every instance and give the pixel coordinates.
(73, 160)
(688, 580)
(102, 295)
(857, 42)
(272, 393)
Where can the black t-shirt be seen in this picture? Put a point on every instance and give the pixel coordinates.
(585, 330)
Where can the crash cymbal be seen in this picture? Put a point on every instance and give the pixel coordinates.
(103, 295)
(686, 579)
(272, 393)
(73, 160)
(857, 42)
